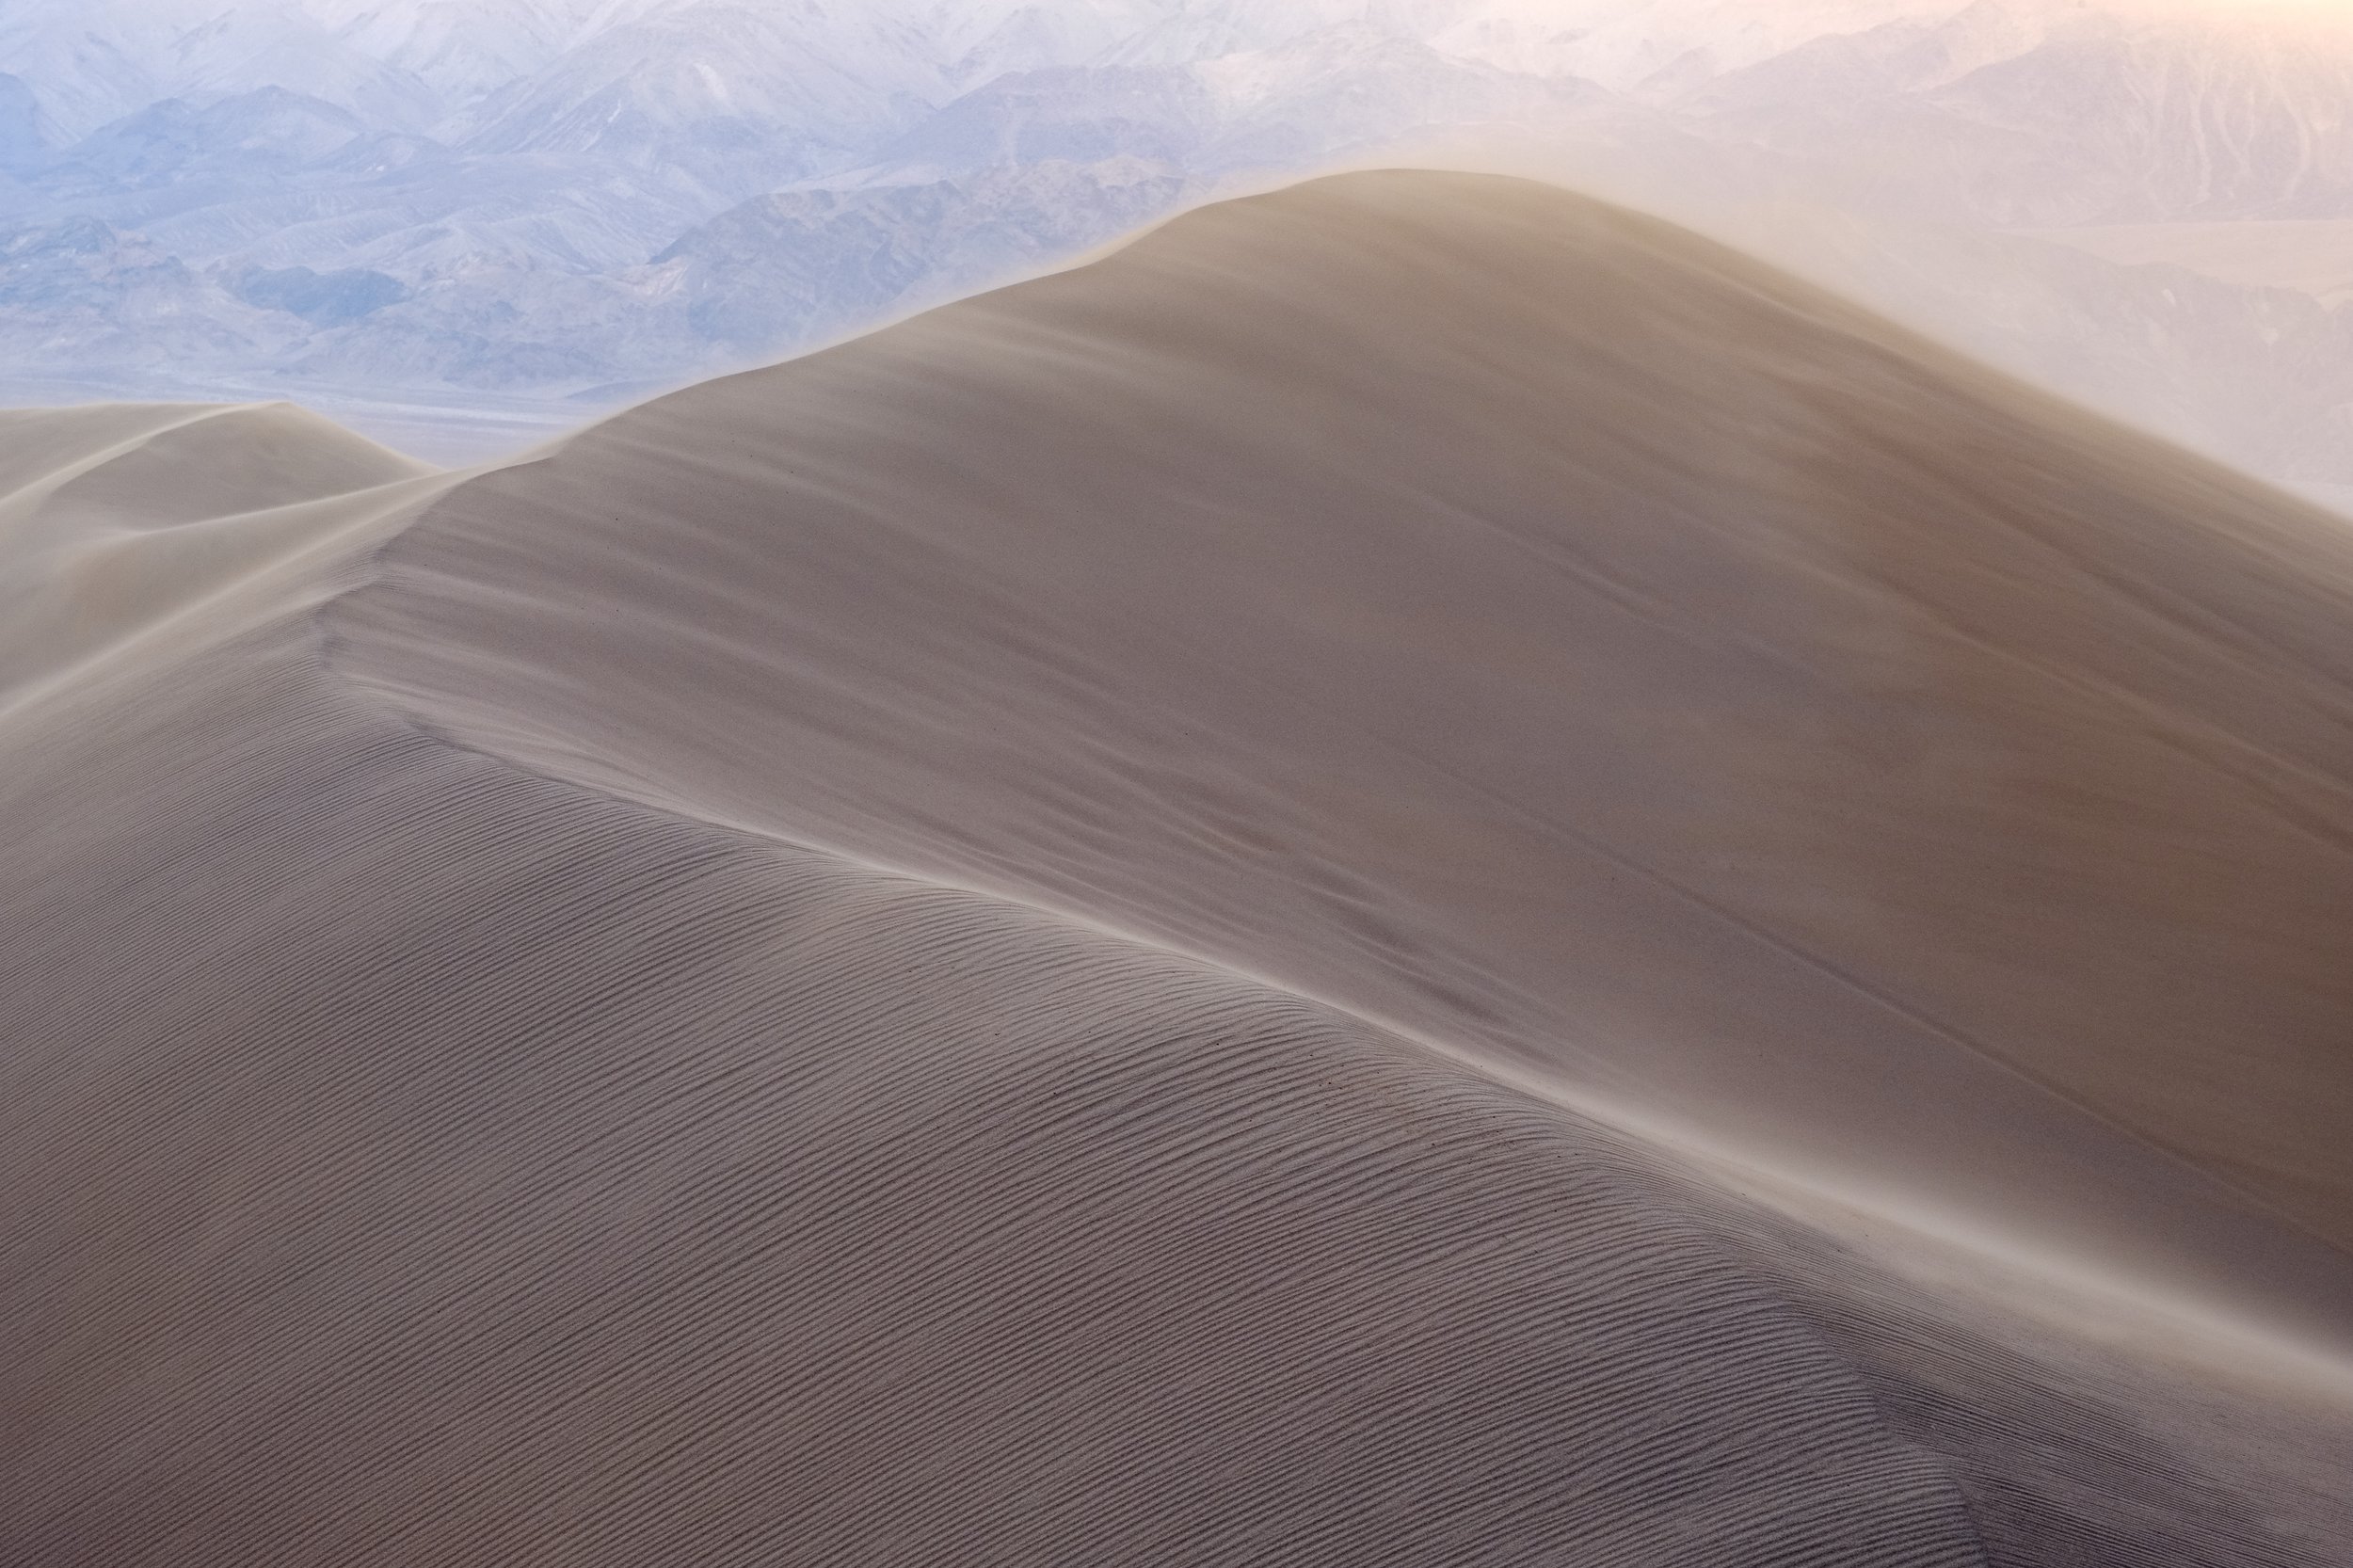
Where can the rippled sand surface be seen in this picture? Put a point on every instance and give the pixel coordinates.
(1418, 872)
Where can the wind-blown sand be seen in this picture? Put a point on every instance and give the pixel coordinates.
(1416, 873)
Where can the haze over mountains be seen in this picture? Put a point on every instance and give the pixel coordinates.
(545, 207)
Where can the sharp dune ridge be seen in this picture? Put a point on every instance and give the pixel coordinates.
(1332, 891)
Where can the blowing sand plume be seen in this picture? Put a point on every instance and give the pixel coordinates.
(1417, 872)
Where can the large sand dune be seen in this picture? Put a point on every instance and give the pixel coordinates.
(1414, 873)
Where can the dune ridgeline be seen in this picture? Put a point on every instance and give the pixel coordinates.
(1414, 873)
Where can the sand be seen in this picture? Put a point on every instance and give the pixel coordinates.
(1415, 872)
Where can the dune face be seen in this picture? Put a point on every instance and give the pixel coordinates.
(1417, 872)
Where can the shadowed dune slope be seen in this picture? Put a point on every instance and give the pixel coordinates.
(1416, 873)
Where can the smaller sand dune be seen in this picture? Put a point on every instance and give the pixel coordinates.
(115, 518)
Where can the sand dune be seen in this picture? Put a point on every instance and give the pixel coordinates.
(116, 520)
(1417, 872)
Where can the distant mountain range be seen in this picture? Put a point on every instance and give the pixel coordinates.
(563, 201)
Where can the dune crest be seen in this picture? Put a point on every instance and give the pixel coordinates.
(1024, 940)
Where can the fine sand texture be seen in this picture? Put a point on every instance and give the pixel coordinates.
(1418, 872)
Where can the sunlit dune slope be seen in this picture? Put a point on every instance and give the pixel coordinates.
(1418, 872)
(116, 517)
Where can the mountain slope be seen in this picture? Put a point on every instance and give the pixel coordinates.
(513, 166)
